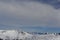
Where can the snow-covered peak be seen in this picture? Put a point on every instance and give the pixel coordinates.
(13, 34)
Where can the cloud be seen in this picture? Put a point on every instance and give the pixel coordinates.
(28, 13)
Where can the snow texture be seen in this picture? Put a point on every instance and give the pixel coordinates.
(21, 35)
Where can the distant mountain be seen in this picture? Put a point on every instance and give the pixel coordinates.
(13, 34)
(21, 35)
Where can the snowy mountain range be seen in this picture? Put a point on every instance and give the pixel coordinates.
(21, 35)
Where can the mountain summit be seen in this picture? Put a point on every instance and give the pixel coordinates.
(13, 34)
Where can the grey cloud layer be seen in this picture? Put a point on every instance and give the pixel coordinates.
(28, 13)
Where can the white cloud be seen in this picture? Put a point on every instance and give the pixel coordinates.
(28, 13)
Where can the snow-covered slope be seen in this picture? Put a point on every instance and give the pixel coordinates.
(21, 35)
(13, 34)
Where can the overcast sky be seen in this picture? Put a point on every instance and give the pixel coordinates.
(20, 13)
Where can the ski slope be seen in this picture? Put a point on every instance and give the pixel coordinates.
(21, 35)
